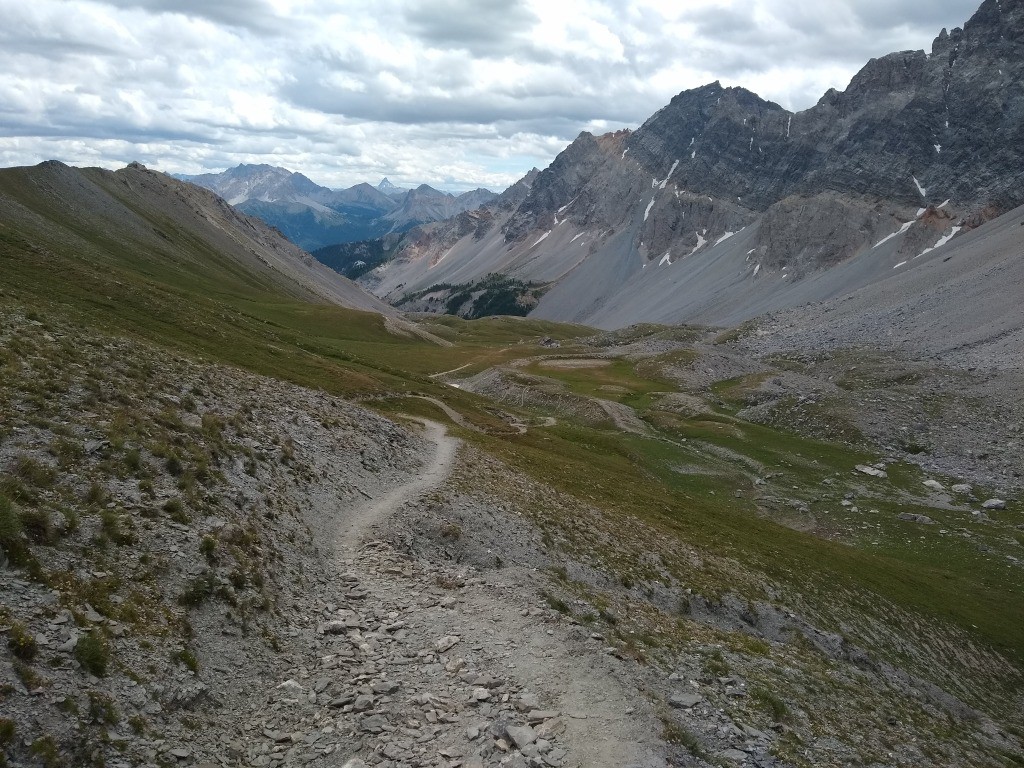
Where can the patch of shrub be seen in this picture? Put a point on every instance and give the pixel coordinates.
(8, 730)
(12, 538)
(93, 653)
(208, 547)
(174, 466)
(176, 510)
(96, 494)
(197, 590)
(133, 460)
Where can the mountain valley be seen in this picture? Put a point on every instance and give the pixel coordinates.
(314, 217)
(702, 447)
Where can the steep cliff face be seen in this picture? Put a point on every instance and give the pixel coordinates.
(918, 149)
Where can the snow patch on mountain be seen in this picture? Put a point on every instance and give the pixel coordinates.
(941, 242)
(900, 231)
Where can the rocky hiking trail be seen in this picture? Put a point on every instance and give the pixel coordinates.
(436, 469)
(415, 663)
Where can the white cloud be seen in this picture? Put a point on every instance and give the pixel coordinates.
(455, 93)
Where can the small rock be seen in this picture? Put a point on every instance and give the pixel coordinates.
(685, 700)
(446, 643)
(734, 755)
(872, 471)
(935, 485)
(540, 715)
(527, 702)
(915, 518)
(521, 736)
(963, 489)
(994, 504)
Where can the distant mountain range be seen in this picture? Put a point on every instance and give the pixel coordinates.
(723, 206)
(312, 216)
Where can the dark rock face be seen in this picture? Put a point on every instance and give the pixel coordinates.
(723, 206)
(912, 129)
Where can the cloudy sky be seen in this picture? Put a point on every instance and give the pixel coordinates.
(454, 93)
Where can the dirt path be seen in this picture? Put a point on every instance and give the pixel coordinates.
(453, 370)
(451, 413)
(506, 646)
(436, 469)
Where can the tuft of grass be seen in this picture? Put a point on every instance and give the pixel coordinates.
(31, 679)
(186, 657)
(66, 451)
(174, 466)
(133, 460)
(38, 525)
(114, 527)
(176, 509)
(674, 733)
(716, 665)
(138, 724)
(46, 751)
(21, 642)
(102, 709)
(556, 602)
(771, 704)
(34, 472)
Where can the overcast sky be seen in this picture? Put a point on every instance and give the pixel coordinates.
(454, 93)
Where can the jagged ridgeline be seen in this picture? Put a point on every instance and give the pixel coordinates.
(723, 205)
